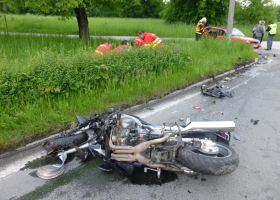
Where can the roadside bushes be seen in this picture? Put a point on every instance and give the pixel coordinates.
(52, 73)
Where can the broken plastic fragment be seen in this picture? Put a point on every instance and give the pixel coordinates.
(255, 121)
(196, 107)
(106, 167)
(227, 79)
(236, 137)
(229, 94)
(215, 91)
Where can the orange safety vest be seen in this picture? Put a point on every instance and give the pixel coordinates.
(139, 41)
(102, 48)
(121, 47)
(151, 39)
(199, 28)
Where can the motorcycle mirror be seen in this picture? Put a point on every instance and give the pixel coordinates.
(80, 119)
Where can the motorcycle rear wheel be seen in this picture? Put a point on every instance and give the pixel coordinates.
(224, 163)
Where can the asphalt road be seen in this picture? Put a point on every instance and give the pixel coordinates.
(256, 96)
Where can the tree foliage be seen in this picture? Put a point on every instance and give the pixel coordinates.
(278, 13)
(140, 8)
(190, 11)
(251, 11)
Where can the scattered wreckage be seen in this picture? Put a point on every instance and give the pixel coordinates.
(125, 142)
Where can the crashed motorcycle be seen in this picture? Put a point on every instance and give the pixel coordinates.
(126, 142)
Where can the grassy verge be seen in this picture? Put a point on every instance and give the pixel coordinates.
(108, 26)
(42, 91)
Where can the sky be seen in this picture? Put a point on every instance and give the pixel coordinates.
(277, 2)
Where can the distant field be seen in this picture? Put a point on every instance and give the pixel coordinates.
(106, 26)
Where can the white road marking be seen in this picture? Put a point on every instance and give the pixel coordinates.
(16, 166)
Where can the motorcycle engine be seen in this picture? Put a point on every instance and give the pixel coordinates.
(128, 133)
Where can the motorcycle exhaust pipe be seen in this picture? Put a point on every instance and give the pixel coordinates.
(132, 154)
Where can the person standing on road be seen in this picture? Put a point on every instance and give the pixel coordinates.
(271, 29)
(103, 48)
(150, 39)
(263, 24)
(259, 31)
(254, 31)
(200, 28)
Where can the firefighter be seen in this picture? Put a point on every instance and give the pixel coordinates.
(101, 49)
(123, 46)
(200, 28)
(150, 39)
(137, 42)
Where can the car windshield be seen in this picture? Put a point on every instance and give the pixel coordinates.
(237, 32)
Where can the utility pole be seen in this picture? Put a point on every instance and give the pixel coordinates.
(230, 18)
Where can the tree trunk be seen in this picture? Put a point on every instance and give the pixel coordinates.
(82, 23)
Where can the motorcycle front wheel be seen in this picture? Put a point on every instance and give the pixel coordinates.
(224, 163)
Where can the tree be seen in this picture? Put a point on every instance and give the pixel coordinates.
(251, 11)
(65, 8)
(278, 13)
(190, 11)
(140, 8)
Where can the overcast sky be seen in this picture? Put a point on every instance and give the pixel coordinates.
(277, 1)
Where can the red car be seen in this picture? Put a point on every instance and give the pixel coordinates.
(220, 33)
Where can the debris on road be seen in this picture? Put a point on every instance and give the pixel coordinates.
(196, 107)
(222, 113)
(255, 121)
(274, 55)
(189, 191)
(236, 137)
(203, 179)
(215, 91)
(262, 62)
(227, 79)
(182, 119)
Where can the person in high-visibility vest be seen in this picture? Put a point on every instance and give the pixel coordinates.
(200, 28)
(271, 29)
(123, 46)
(137, 42)
(101, 49)
(150, 39)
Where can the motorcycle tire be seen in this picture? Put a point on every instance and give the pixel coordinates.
(224, 163)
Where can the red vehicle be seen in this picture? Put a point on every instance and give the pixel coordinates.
(220, 33)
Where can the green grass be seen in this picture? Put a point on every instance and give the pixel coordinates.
(108, 26)
(97, 26)
(124, 79)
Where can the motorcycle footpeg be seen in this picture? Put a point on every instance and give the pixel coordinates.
(158, 170)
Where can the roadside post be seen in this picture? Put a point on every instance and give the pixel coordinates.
(230, 18)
